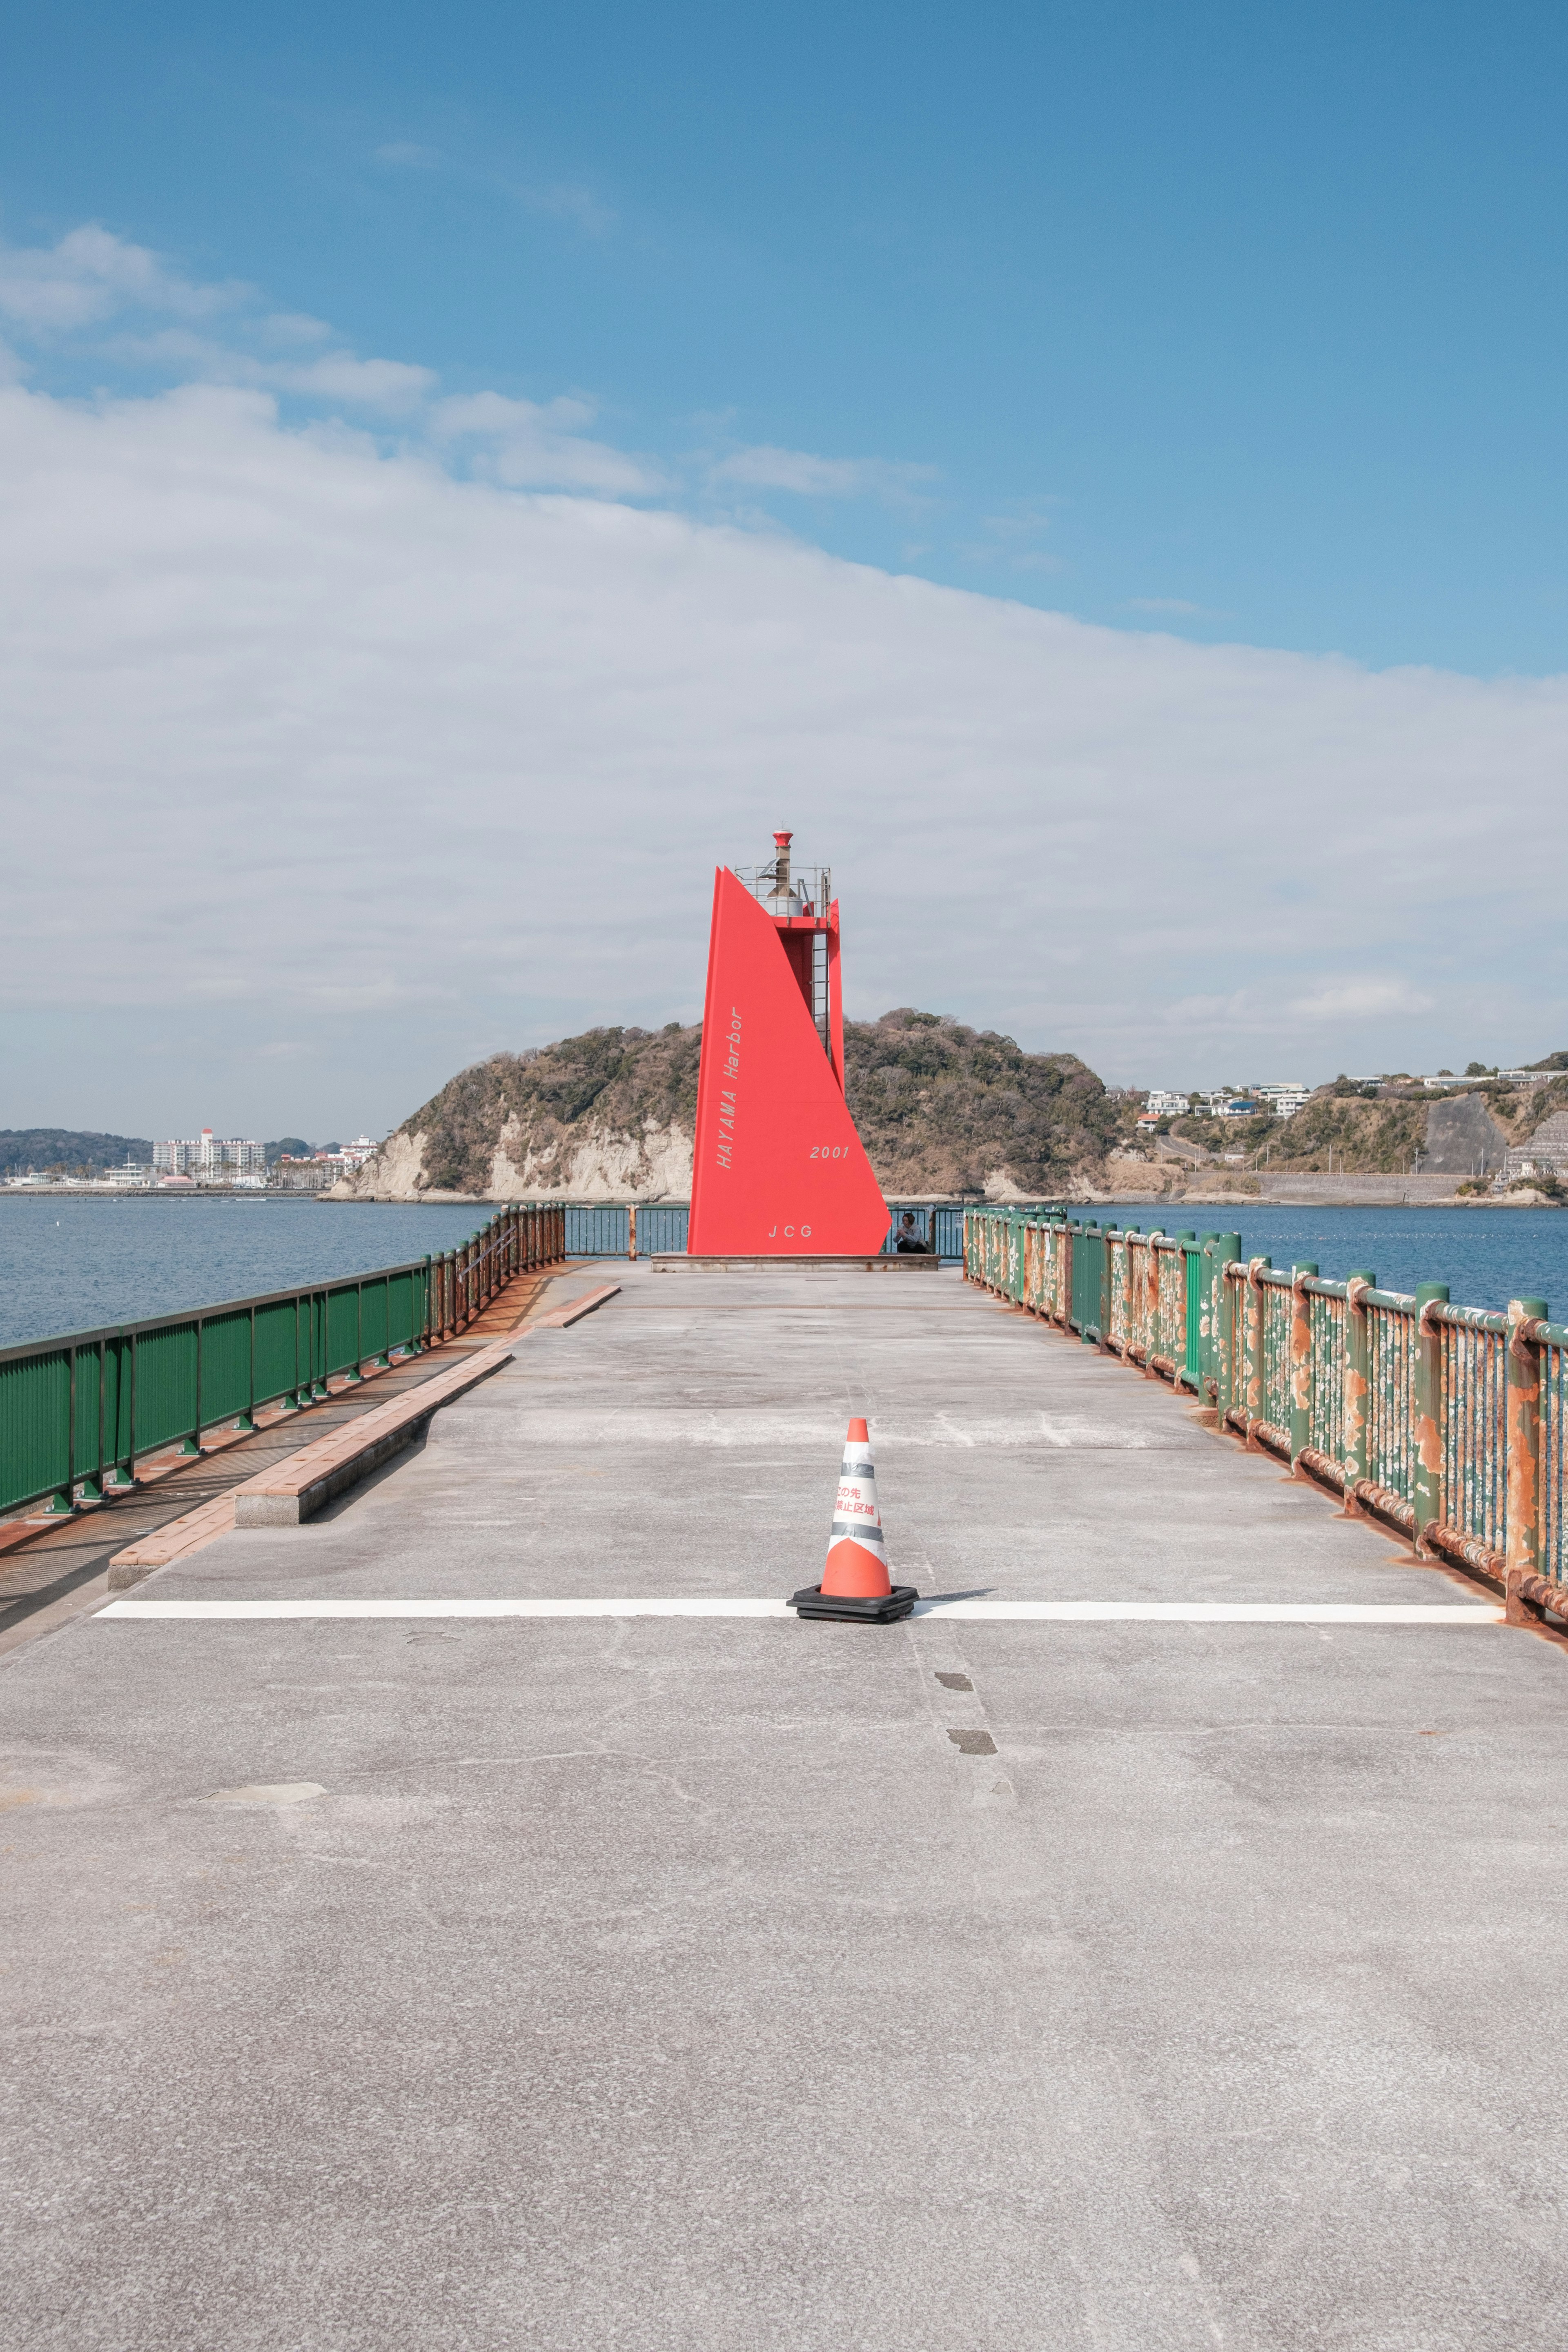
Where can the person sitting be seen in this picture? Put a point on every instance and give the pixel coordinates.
(909, 1243)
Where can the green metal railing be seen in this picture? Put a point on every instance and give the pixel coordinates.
(648, 1228)
(77, 1413)
(1448, 1422)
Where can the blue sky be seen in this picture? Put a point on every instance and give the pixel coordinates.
(1244, 322)
(1096, 473)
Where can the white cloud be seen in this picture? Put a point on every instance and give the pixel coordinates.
(341, 746)
(371, 742)
(410, 154)
(578, 205)
(796, 470)
(538, 447)
(391, 386)
(293, 327)
(1369, 998)
(92, 275)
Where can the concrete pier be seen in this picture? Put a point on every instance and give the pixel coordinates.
(448, 1980)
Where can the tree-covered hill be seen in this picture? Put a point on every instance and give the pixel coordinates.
(941, 1107)
(68, 1150)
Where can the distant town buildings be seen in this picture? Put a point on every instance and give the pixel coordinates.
(315, 1172)
(209, 1159)
(1545, 1154)
(229, 1162)
(1282, 1096)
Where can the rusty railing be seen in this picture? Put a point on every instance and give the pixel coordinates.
(1447, 1423)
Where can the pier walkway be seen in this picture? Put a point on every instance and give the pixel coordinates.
(409, 1976)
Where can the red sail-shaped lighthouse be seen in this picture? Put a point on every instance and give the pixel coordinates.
(779, 1171)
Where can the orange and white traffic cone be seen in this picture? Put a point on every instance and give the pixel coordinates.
(854, 1582)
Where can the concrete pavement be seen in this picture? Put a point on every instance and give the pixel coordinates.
(690, 1984)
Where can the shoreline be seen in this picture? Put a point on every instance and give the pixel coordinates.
(1352, 1197)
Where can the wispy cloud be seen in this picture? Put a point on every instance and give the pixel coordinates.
(805, 475)
(391, 386)
(410, 155)
(94, 292)
(1371, 997)
(565, 202)
(1011, 539)
(1177, 608)
(539, 445)
(91, 275)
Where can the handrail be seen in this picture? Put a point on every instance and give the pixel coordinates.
(80, 1409)
(1449, 1422)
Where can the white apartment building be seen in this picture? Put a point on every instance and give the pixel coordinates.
(1226, 1103)
(1284, 1096)
(210, 1157)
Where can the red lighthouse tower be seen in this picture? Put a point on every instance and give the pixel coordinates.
(779, 1171)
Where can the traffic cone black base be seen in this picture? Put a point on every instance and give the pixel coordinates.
(881, 1609)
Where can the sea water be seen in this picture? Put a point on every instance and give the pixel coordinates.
(73, 1264)
(1486, 1256)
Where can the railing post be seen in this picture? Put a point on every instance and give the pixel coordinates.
(246, 1421)
(62, 1504)
(1177, 1350)
(1083, 1314)
(1426, 1482)
(1356, 1376)
(1221, 1252)
(193, 1445)
(120, 1480)
(1150, 1312)
(1129, 1331)
(1523, 1539)
(354, 1374)
(93, 1491)
(1253, 1332)
(429, 1333)
(632, 1230)
(1300, 1361)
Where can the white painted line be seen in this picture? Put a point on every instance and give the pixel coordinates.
(1221, 1612)
(223, 1610)
(1071, 1613)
